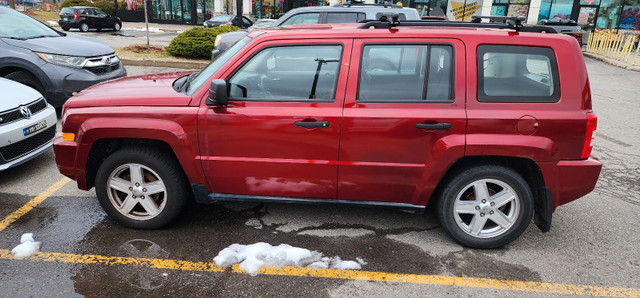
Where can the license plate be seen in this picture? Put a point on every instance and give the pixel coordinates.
(33, 128)
(65, 19)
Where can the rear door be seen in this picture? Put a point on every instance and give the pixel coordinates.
(279, 134)
(404, 118)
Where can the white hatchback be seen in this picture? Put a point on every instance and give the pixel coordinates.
(27, 124)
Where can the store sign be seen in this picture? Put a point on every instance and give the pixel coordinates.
(462, 10)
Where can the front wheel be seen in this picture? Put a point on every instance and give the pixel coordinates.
(117, 26)
(141, 187)
(486, 206)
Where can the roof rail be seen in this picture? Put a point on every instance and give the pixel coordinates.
(390, 20)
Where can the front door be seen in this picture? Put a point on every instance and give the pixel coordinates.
(404, 118)
(279, 134)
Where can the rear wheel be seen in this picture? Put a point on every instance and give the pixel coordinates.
(486, 206)
(117, 26)
(26, 78)
(141, 187)
(84, 27)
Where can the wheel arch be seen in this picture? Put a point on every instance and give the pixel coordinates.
(35, 71)
(527, 168)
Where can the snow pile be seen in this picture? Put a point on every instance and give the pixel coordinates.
(151, 29)
(255, 256)
(27, 248)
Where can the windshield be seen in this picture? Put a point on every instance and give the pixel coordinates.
(208, 71)
(16, 25)
(221, 18)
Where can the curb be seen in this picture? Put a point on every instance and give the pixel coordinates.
(612, 62)
(186, 64)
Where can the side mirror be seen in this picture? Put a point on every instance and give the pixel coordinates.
(217, 93)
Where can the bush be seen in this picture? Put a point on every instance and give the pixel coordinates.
(106, 5)
(197, 42)
(67, 3)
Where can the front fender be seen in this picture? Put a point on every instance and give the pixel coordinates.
(183, 144)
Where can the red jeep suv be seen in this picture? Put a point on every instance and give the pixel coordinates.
(491, 122)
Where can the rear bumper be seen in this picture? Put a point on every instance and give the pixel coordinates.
(570, 179)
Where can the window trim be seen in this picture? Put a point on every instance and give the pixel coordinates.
(428, 44)
(516, 49)
(307, 100)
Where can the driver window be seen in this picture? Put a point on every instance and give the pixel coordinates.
(101, 13)
(289, 73)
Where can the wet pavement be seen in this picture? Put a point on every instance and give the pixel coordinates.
(592, 242)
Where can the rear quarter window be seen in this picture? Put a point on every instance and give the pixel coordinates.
(517, 74)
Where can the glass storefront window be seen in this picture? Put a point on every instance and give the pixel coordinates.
(630, 16)
(561, 9)
(609, 14)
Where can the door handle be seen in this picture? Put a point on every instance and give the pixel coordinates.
(313, 124)
(436, 126)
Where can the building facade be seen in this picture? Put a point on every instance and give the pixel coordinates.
(590, 14)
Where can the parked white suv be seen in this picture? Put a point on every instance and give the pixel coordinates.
(27, 124)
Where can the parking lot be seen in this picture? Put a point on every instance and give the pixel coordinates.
(592, 248)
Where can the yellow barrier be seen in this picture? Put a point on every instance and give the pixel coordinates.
(621, 46)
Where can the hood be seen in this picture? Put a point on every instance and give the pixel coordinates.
(63, 45)
(15, 94)
(146, 90)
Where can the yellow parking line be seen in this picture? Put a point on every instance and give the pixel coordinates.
(525, 286)
(31, 204)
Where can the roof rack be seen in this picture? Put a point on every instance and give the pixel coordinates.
(390, 20)
(350, 3)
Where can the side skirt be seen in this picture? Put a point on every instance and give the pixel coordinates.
(201, 195)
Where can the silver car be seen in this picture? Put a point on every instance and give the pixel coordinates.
(27, 124)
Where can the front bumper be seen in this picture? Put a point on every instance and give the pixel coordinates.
(69, 81)
(570, 179)
(21, 148)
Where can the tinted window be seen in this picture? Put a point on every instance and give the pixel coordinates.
(406, 73)
(67, 10)
(302, 18)
(100, 13)
(246, 21)
(517, 74)
(345, 17)
(299, 73)
(401, 16)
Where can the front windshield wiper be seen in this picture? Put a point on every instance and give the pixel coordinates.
(41, 36)
(13, 37)
(186, 81)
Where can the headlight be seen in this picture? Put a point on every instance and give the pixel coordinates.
(69, 61)
(217, 42)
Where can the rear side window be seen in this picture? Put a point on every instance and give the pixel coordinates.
(302, 18)
(345, 17)
(517, 74)
(401, 16)
(406, 73)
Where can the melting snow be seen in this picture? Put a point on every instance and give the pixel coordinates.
(255, 256)
(27, 248)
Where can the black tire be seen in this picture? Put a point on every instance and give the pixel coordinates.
(26, 78)
(117, 26)
(156, 168)
(65, 28)
(473, 222)
(84, 27)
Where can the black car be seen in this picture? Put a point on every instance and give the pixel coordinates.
(85, 18)
(569, 27)
(240, 22)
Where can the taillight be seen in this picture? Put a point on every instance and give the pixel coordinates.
(592, 123)
(76, 16)
(577, 34)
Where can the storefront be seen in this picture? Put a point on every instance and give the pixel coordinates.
(590, 14)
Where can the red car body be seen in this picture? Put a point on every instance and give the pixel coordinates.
(370, 152)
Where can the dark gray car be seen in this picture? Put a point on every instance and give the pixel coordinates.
(353, 12)
(56, 64)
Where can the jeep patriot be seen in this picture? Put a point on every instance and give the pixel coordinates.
(490, 123)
